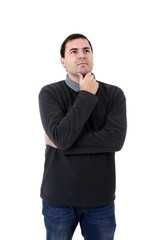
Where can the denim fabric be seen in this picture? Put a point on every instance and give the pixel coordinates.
(96, 223)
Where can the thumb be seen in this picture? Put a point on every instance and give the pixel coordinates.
(80, 76)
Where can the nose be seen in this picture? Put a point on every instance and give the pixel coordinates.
(81, 55)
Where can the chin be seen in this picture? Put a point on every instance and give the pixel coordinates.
(83, 72)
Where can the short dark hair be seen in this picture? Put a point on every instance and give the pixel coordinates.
(72, 37)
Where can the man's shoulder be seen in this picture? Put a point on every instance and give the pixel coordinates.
(54, 87)
(53, 90)
(109, 87)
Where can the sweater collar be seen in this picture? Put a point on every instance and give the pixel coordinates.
(73, 85)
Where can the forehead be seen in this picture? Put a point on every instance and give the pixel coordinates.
(77, 43)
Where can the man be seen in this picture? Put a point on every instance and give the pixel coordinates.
(85, 124)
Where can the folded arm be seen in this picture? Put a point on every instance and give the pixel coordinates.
(64, 128)
(110, 137)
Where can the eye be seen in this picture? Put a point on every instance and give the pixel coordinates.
(86, 51)
(73, 52)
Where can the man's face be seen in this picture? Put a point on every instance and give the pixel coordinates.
(78, 57)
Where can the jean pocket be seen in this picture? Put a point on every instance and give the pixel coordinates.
(59, 215)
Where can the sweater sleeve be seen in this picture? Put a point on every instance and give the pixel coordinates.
(110, 137)
(61, 127)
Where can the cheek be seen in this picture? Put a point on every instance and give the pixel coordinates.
(70, 65)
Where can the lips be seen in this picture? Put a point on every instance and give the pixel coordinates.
(82, 63)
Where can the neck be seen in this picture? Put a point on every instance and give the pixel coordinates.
(74, 77)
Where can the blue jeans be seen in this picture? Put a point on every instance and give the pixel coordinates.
(96, 223)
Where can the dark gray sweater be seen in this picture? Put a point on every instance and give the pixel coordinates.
(87, 130)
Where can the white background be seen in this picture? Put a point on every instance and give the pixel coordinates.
(126, 39)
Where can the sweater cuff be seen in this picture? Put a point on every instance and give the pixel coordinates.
(88, 96)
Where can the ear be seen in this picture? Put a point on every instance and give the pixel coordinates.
(62, 62)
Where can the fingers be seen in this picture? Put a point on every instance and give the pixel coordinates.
(49, 142)
(80, 76)
(88, 83)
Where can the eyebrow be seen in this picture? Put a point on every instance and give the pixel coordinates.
(84, 48)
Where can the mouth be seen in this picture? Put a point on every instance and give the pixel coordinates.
(82, 63)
